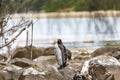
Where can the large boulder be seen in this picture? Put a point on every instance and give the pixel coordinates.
(104, 72)
(68, 73)
(31, 73)
(23, 62)
(10, 72)
(101, 68)
(46, 72)
(103, 60)
(25, 52)
(109, 51)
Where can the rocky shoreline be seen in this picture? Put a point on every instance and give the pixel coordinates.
(43, 66)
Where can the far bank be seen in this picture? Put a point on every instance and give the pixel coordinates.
(86, 14)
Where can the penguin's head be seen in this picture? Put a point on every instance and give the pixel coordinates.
(58, 41)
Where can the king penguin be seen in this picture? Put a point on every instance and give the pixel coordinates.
(60, 52)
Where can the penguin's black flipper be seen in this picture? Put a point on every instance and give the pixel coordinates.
(64, 54)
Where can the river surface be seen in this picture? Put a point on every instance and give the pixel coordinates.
(75, 32)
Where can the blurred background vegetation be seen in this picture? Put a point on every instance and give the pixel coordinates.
(60, 5)
(68, 5)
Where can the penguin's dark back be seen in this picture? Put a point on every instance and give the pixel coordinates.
(62, 48)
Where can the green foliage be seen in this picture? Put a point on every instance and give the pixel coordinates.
(33, 5)
(94, 5)
(56, 5)
(50, 5)
(82, 5)
(60, 5)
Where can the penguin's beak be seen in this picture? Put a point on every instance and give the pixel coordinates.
(54, 42)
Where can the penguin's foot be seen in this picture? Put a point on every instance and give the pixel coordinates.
(64, 65)
(61, 67)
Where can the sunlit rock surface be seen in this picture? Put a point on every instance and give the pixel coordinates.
(33, 71)
(47, 72)
(11, 72)
(99, 68)
(103, 60)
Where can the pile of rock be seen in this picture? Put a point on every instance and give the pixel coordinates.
(41, 67)
(103, 65)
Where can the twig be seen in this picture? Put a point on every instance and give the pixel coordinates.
(31, 40)
(10, 56)
(12, 28)
(16, 35)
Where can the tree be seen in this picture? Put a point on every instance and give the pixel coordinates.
(8, 7)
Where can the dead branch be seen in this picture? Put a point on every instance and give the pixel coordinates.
(17, 26)
(24, 24)
(31, 41)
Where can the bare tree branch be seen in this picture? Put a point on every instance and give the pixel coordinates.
(24, 24)
(17, 26)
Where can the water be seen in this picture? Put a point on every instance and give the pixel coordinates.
(73, 31)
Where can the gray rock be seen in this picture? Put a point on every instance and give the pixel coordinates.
(103, 60)
(102, 68)
(1, 77)
(46, 72)
(32, 77)
(105, 51)
(46, 60)
(99, 72)
(68, 73)
(11, 72)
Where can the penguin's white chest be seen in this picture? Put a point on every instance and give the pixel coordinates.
(58, 54)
